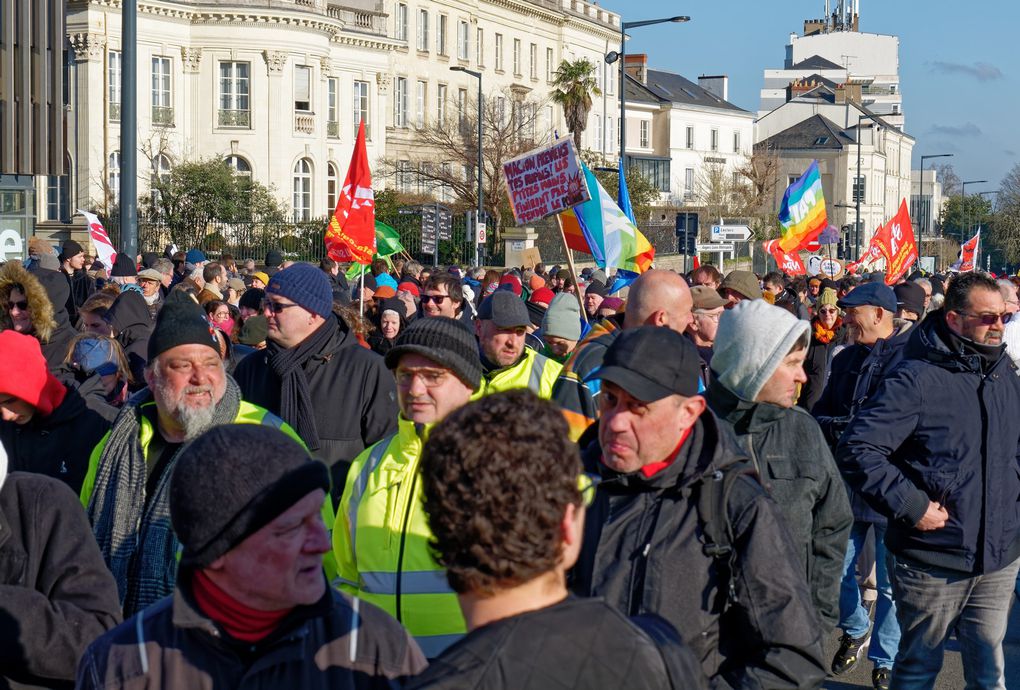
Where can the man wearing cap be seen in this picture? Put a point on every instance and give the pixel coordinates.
(679, 526)
(150, 280)
(251, 607)
(72, 263)
(657, 298)
(854, 376)
(757, 371)
(274, 260)
(594, 293)
(708, 308)
(561, 327)
(436, 366)
(909, 302)
(501, 329)
(126, 487)
(45, 425)
(738, 286)
(314, 374)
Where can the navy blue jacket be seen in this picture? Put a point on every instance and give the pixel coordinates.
(942, 428)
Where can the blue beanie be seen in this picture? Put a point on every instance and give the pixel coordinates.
(194, 256)
(386, 279)
(306, 285)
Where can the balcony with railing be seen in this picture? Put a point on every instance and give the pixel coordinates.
(234, 118)
(304, 123)
(359, 19)
(162, 116)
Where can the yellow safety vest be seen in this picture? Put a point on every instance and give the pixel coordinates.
(535, 371)
(381, 542)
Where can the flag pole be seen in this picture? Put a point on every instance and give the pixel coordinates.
(570, 263)
(361, 294)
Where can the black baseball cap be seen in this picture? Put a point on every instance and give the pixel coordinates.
(651, 363)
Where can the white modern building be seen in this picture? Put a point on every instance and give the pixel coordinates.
(927, 200)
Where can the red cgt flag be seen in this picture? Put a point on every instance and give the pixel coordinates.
(351, 232)
(897, 244)
(788, 262)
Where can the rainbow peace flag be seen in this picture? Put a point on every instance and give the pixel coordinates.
(802, 213)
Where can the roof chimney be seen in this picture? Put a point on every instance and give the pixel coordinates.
(718, 85)
(799, 87)
(637, 66)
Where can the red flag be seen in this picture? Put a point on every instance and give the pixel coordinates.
(351, 232)
(900, 246)
(788, 262)
(968, 254)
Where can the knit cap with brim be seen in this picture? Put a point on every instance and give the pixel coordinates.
(828, 297)
(445, 341)
(180, 322)
(753, 339)
(232, 481)
(305, 285)
(563, 318)
(743, 282)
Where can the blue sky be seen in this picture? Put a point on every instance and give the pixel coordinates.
(959, 64)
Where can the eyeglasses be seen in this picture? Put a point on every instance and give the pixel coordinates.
(276, 307)
(988, 319)
(828, 311)
(586, 484)
(707, 315)
(430, 377)
(438, 299)
(21, 306)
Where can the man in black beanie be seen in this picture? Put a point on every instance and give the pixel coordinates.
(437, 368)
(126, 487)
(72, 263)
(251, 601)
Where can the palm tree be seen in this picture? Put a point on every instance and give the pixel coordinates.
(575, 85)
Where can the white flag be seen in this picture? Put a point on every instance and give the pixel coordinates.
(104, 248)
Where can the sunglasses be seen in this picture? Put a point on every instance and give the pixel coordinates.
(828, 311)
(988, 319)
(277, 307)
(438, 299)
(21, 306)
(586, 484)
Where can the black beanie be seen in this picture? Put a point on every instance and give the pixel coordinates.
(149, 258)
(252, 298)
(232, 481)
(447, 342)
(123, 266)
(69, 249)
(273, 258)
(180, 322)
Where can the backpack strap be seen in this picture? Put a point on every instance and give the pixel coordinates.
(716, 528)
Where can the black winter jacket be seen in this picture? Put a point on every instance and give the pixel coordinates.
(56, 594)
(57, 445)
(81, 285)
(942, 428)
(643, 552)
(796, 465)
(353, 394)
(575, 644)
(129, 317)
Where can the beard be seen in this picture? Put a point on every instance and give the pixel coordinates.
(193, 419)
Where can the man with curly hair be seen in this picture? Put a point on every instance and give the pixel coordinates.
(381, 539)
(506, 502)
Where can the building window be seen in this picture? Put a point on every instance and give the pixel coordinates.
(599, 141)
(160, 173)
(895, 108)
(533, 61)
(113, 176)
(644, 134)
(549, 118)
(404, 176)
(462, 40)
(501, 110)
(234, 95)
(303, 88)
(302, 190)
(461, 109)
(499, 52)
(715, 140)
(401, 21)
(611, 81)
(58, 198)
(423, 30)
(549, 70)
(656, 171)
(859, 191)
(688, 182)
(113, 67)
(441, 104)
(333, 107)
(239, 165)
(441, 34)
(517, 57)
(424, 177)
(162, 103)
(332, 186)
(361, 107)
(420, 104)
(480, 47)
(690, 137)
(609, 131)
(400, 103)
(736, 142)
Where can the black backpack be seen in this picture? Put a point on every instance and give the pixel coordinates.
(713, 494)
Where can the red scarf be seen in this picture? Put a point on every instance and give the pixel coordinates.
(653, 468)
(239, 621)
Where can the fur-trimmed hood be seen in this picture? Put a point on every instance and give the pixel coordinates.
(12, 275)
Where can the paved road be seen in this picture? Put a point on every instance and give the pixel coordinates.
(951, 677)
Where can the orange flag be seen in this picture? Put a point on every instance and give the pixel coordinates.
(351, 232)
(896, 240)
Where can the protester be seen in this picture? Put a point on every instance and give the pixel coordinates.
(436, 366)
(150, 281)
(252, 336)
(759, 354)
(251, 607)
(215, 282)
(235, 288)
(259, 280)
(273, 262)
(501, 327)
(311, 357)
(561, 327)
(680, 528)
(611, 306)
(925, 285)
(34, 304)
(101, 370)
(442, 296)
(124, 271)
(825, 329)
(79, 282)
(92, 312)
(707, 275)
(57, 594)
(129, 320)
(708, 309)
(909, 302)
(126, 488)
(390, 321)
(738, 286)
(657, 298)
(773, 282)
(250, 303)
(594, 293)
(935, 450)
(479, 468)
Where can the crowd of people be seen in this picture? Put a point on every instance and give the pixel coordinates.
(221, 473)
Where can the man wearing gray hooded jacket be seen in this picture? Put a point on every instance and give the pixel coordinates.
(757, 372)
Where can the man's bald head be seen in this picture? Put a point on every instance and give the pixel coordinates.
(659, 298)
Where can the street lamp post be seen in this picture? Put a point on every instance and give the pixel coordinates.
(921, 227)
(622, 57)
(963, 202)
(478, 218)
(859, 182)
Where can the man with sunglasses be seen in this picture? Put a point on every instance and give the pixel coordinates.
(935, 450)
(315, 375)
(381, 537)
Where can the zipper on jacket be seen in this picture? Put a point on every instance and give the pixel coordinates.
(403, 537)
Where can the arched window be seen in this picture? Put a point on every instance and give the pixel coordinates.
(239, 165)
(332, 187)
(302, 198)
(113, 177)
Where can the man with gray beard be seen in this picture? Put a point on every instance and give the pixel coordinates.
(126, 487)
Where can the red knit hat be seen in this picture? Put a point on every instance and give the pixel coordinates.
(543, 295)
(409, 287)
(513, 281)
(24, 375)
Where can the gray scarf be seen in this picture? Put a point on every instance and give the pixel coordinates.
(137, 540)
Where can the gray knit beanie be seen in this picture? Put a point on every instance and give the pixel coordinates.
(563, 318)
(753, 339)
(447, 342)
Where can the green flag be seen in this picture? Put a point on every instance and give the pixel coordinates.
(387, 240)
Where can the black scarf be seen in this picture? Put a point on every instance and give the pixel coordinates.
(295, 399)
